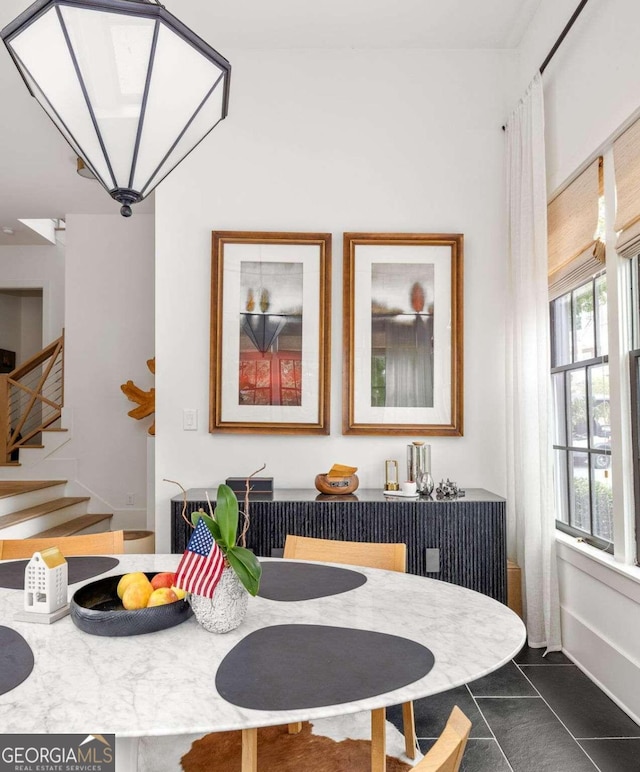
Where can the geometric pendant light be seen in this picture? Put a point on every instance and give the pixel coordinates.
(262, 329)
(131, 88)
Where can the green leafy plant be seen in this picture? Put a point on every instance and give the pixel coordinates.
(223, 525)
(602, 507)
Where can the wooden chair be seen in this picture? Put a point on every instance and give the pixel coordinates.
(392, 557)
(446, 754)
(106, 543)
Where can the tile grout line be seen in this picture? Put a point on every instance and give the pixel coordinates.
(544, 664)
(507, 696)
(504, 755)
(621, 737)
(573, 737)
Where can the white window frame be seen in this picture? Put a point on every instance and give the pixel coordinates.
(620, 343)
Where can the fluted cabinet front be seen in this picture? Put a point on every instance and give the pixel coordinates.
(470, 533)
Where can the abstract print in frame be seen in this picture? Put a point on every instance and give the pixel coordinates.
(402, 335)
(270, 332)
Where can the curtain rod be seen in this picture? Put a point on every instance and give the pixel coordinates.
(562, 36)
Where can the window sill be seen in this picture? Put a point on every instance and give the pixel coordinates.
(602, 566)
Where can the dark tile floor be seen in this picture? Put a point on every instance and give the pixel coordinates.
(534, 715)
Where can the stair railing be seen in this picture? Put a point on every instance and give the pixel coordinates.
(31, 399)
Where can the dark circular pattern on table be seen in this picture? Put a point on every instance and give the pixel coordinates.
(96, 609)
(304, 581)
(16, 659)
(289, 667)
(79, 568)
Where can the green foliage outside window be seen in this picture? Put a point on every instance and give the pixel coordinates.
(602, 509)
(378, 380)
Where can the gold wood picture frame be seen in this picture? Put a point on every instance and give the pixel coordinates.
(270, 332)
(403, 334)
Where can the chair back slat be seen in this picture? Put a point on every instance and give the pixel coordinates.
(105, 543)
(392, 557)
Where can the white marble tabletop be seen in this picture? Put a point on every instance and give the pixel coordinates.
(163, 683)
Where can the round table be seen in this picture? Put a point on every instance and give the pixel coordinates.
(164, 683)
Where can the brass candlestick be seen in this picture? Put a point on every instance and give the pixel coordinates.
(391, 476)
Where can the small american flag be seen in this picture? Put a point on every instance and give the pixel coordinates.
(201, 565)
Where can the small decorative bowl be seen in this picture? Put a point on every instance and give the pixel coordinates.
(337, 485)
(97, 610)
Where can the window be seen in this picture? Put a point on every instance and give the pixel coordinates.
(582, 427)
(634, 371)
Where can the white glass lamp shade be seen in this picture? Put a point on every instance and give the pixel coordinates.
(131, 89)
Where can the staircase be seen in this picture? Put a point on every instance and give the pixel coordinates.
(41, 508)
(31, 399)
(36, 498)
(40, 494)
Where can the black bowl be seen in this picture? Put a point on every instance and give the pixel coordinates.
(96, 609)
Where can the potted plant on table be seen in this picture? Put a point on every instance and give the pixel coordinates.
(217, 571)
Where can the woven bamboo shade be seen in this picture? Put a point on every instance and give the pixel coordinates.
(577, 271)
(626, 158)
(572, 219)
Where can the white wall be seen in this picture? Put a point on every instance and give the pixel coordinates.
(10, 323)
(31, 314)
(591, 84)
(108, 339)
(591, 91)
(600, 617)
(38, 268)
(405, 141)
(20, 324)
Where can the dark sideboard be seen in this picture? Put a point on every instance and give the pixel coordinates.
(464, 538)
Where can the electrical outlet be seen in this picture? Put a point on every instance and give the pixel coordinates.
(433, 560)
(189, 420)
(131, 499)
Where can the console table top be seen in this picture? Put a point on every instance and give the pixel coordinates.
(362, 495)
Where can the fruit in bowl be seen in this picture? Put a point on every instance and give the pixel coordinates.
(137, 594)
(98, 609)
(161, 596)
(128, 579)
(166, 579)
(137, 591)
(163, 579)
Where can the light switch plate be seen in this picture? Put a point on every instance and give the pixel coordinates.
(189, 419)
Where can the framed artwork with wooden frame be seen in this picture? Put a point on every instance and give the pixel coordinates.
(270, 332)
(403, 328)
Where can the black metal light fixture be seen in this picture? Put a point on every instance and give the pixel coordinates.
(129, 86)
(263, 329)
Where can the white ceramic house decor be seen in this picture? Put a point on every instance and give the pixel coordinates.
(45, 586)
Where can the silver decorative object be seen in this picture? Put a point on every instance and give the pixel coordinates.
(228, 607)
(448, 490)
(419, 467)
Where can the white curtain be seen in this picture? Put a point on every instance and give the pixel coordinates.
(530, 500)
(409, 361)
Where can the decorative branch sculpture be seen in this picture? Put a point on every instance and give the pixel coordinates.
(146, 400)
